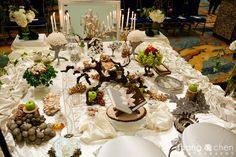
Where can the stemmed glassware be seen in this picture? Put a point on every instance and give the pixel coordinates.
(74, 55)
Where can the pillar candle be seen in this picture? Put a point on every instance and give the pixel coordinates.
(127, 19)
(52, 23)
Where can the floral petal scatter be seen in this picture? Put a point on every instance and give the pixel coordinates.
(157, 16)
(136, 36)
(56, 39)
(21, 16)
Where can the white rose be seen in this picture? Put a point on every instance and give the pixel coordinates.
(232, 46)
(22, 11)
(30, 16)
(21, 20)
(157, 16)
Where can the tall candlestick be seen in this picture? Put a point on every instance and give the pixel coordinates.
(52, 24)
(127, 19)
(122, 23)
(64, 24)
(108, 24)
(132, 18)
(111, 20)
(68, 23)
(114, 16)
(54, 21)
(134, 21)
(120, 20)
(60, 17)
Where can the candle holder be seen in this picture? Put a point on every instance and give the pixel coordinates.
(124, 34)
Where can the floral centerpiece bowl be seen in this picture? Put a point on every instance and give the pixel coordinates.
(57, 40)
(149, 57)
(23, 17)
(135, 38)
(40, 75)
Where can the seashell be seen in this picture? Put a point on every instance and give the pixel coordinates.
(51, 104)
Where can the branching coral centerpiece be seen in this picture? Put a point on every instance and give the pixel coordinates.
(57, 40)
(23, 17)
(135, 37)
(149, 58)
(40, 74)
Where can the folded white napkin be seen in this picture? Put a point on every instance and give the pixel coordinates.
(95, 128)
(159, 117)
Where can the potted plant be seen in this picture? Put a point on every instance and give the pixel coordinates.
(40, 74)
(149, 58)
(192, 91)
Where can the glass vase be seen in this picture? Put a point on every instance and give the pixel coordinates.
(156, 28)
(25, 33)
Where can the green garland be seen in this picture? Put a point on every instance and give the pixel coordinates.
(44, 78)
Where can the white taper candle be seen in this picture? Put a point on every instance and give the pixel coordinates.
(127, 19)
(52, 23)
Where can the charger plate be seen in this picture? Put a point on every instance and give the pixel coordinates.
(130, 146)
(169, 84)
(208, 140)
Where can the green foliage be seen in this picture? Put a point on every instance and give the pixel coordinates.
(2, 71)
(44, 78)
(4, 59)
(150, 59)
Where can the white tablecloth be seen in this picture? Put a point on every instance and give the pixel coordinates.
(33, 44)
(220, 107)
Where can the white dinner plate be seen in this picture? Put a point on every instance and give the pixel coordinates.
(208, 140)
(130, 146)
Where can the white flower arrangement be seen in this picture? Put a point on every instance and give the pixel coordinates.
(21, 16)
(56, 39)
(232, 46)
(157, 16)
(136, 36)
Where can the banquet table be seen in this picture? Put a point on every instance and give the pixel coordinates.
(15, 91)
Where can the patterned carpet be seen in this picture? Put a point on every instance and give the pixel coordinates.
(206, 53)
(205, 58)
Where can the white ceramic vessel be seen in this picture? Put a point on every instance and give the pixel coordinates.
(130, 146)
(208, 140)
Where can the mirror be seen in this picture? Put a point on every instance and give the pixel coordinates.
(77, 9)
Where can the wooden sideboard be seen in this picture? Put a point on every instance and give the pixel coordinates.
(225, 25)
